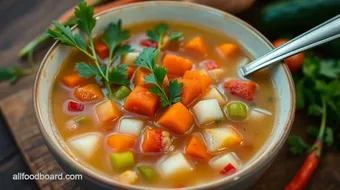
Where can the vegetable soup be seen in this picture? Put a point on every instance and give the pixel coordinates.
(160, 104)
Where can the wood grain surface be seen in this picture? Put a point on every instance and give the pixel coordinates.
(20, 22)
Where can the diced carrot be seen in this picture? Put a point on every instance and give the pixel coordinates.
(102, 50)
(152, 141)
(177, 118)
(130, 71)
(107, 112)
(197, 45)
(243, 89)
(191, 90)
(139, 78)
(196, 148)
(142, 101)
(229, 50)
(90, 92)
(203, 79)
(72, 80)
(176, 65)
(120, 142)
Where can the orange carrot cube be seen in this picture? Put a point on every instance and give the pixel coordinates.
(229, 50)
(203, 79)
(102, 50)
(72, 80)
(130, 72)
(176, 65)
(107, 112)
(191, 90)
(177, 118)
(90, 92)
(196, 45)
(196, 148)
(120, 142)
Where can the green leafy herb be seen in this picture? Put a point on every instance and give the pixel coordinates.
(313, 131)
(88, 70)
(118, 75)
(12, 74)
(158, 33)
(330, 69)
(85, 19)
(147, 59)
(297, 145)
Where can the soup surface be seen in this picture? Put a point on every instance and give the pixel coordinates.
(219, 124)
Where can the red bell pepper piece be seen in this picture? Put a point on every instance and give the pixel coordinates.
(228, 169)
(75, 106)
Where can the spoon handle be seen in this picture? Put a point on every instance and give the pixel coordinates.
(322, 33)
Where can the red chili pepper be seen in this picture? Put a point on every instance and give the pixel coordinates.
(75, 106)
(302, 176)
(149, 43)
(210, 65)
(228, 169)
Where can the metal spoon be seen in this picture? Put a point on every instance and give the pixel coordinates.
(321, 34)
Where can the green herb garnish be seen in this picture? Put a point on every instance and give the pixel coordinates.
(147, 60)
(114, 35)
(159, 35)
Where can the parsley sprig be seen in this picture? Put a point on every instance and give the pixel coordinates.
(158, 34)
(114, 35)
(147, 59)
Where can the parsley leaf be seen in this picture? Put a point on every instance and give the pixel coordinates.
(157, 91)
(118, 75)
(11, 73)
(85, 19)
(175, 90)
(175, 36)
(300, 99)
(330, 69)
(314, 110)
(297, 145)
(122, 50)
(146, 58)
(159, 32)
(88, 70)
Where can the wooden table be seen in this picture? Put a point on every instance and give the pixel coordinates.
(21, 21)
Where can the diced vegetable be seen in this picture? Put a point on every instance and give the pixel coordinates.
(196, 148)
(229, 50)
(130, 70)
(210, 65)
(138, 79)
(207, 111)
(81, 119)
(177, 118)
(129, 58)
(147, 173)
(121, 93)
(128, 177)
(120, 142)
(221, 138)
(176, 65)
(86, 144)
(203, 79)
(90, 92)
(131, 126)
(148, 43)
(213, 93)
(102, 50)
(74, 106)
(156, 140)
(107, 112)
(259, 114)
(175, 165)
(142, 101)
(196, 45)
(122, 160)
(72, 80)
(237, 111)
(243, 89)
(226, 164)
(190, 91)
(216, 74)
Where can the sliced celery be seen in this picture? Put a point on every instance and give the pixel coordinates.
(147, 172)
(121, 93)
(122, 160)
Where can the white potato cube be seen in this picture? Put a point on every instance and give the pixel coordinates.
(86, 144)
(207, 111)
(131, 126)
(221, 138)
(216, 74)
(175, 165)
(128, 177)
(213, 93)
(129, 58)
(219, 162)
(258, 114)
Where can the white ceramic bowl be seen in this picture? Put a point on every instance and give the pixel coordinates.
(251, 40)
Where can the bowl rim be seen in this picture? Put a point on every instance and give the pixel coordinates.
(259, 162)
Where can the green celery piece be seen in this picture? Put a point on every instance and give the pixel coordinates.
(147, 172)
(237, 111)
(122, 160)
(81, 119)
(121, 93)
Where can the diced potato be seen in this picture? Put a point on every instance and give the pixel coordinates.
(259, 114)
(129, 58)
(175, 165)
(128, 177)
(131, 126)
(221, 138)
(107, 112)
(213, 93)
(86, 144)
(219, 162)
(207, 111)
(216, 74)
